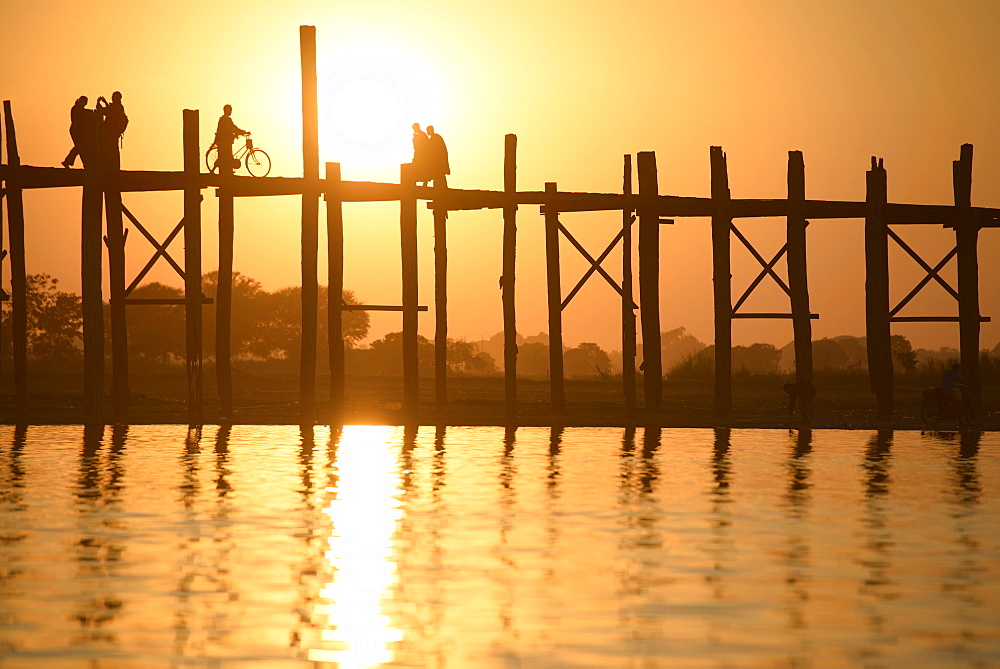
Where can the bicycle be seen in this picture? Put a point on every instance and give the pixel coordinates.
(937, 406)
(257, 162)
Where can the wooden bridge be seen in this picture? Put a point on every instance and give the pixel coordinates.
(103, 184)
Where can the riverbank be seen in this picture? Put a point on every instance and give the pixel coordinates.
(270, 396)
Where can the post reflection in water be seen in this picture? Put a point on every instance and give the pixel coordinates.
(797, 551)
(363, 514)
(487, 547)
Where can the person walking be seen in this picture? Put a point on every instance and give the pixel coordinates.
(80, 120)
(225, 132)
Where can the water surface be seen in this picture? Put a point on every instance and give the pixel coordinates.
(251, 546)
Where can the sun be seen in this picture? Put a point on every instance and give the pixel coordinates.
(370, 95)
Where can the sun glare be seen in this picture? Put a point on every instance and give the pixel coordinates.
(370, 95)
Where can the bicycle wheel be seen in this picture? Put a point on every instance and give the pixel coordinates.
(972, 415)
(928, 413)
(258, 163)
(211, 157)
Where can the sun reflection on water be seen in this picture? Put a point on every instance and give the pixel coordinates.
(364, 510)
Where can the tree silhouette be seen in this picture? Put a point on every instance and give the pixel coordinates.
(55, 321)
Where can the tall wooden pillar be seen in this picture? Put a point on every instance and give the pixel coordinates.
(18, 273)
(91, 243)
(967, 242)
(310, 221)
(3, 252)
(557, 389)
(628, 313)
(722, 222)
(224, 296)
(877, 289)
(116, 282)
(408, 249)
(192, 266)
(649, 282)
(507, 279)
(335, 293)
(440, 295)
(798, 278)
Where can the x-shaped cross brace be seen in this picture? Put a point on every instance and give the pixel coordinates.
(768, 268)
(161, 250)
(932, 272)
(595, 265)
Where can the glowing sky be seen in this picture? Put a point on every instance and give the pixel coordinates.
(581, 83)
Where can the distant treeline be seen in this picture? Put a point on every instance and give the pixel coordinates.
(265, 328)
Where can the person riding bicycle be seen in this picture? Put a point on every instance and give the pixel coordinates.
(225, 133)
(950, 379)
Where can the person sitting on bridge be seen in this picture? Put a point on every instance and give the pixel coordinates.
(225, 133)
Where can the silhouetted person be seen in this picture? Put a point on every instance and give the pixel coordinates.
(421, 149)
(437, 157)
(225, 133)
(113, 124)
(950, 379)
(804, 394)
(80, 128)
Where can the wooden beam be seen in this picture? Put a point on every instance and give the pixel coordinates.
(628, 307)
(967, 242)
(798, 275)
(557, 392)
(877, 319)
(335, 293)
(441, 300)
(508, 277)
(18, 273)
(408, 251)
(377, 307)
(310, 222)
(722, 282)
(649, 282)
(192, 268)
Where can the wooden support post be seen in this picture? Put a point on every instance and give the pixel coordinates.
(508, 276)
(18, 273)
(408, 249)
(224, 297)
(335, 292)
(877, 289)
(557, 390)
(116, 280)
(628, 313)
(440, 297)
(192, 266)
(91, 243)
(722, 221)
(798, 278)
(310, 222)
(2, 252)
(967, 243)
(649, 283)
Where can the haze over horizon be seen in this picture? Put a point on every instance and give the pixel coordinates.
(580, 85)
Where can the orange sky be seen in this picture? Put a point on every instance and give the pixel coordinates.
(581, 83)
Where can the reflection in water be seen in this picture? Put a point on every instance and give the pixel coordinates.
(481, 547)
(98, 553)
(878, 586)
(364, 515)
(797, 552)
